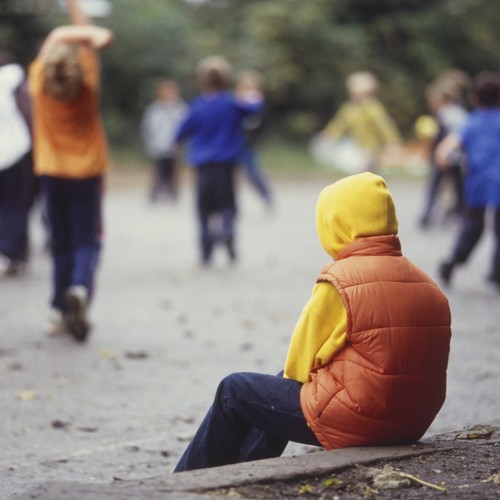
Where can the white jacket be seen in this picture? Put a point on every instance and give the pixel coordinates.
(15, 139)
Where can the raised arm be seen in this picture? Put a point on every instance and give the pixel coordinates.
(88, 35)
(76, 13)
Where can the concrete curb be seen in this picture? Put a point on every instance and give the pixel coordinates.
(193, 484)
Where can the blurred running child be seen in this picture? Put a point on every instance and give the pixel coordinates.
(480, 140)
(214, 129)
(16, 167)
(250, 81)
(159, 124)
(444, 102)
(363, 120)
(71, 156)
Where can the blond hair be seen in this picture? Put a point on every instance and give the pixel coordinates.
(63, 74)
(361, 83)
(214, 73)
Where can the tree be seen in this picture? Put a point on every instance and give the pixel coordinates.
(304, 49)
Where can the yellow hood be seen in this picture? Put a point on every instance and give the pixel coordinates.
(355, 207)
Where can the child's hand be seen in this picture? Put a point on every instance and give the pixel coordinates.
(251, 96)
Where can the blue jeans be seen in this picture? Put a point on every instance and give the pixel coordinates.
(253, 416)
(454, 175)
(216, 204)
(17, 187)
(472, 228)
(74, 215)
(251, 166)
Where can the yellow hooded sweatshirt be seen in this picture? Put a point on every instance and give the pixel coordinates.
(355, 207)
(372, 344)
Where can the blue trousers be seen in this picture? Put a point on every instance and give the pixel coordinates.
(164, 178)
(438, 177)
(16, 197)
(253, 416)
(216, 204)
(470, 233)
(74, 215)
(252, 168)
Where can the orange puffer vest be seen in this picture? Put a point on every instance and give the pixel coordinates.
(389, 382)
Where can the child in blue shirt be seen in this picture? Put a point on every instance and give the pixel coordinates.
(480, 140)
(214, 130)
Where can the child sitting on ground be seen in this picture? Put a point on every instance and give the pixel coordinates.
(368, 357)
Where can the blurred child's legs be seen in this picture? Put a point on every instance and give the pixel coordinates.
(250, 163)
(216, 207)
(164, 179)
(74, 213)
(16, 196)
(495, 271)
(470, 233)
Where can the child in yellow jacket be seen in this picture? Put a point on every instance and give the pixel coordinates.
(363, 121)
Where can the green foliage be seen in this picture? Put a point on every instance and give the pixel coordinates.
(304, 49)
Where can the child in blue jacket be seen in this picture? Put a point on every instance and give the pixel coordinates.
(214, 130)
(480, 140)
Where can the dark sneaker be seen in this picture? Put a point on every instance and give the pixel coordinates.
(76, 314)
(424, 222)
(445, 272)
(494, 280)
(231, 251)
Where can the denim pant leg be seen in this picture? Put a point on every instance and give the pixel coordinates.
(251, 165)
(253, 416)
(470, 233)
(436, 179)
(455, 173)
(59, 238)
(16, 196)
(204, 209)
(85, 222)
(73, 210)
(495, 271)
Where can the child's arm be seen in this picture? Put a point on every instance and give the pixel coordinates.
(449, 144)
(337, 126)
(76, 14)
(319, 334)
(92, 36)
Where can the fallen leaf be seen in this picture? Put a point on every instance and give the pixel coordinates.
(26, 395)
(495, 478)
(87, 428)
(137, 354)
(59, 424)
(105, 354)
(305, 488)
(477, 432)
(332, 482)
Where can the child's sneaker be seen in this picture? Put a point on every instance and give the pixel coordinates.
(56, 324)
(76, 315)
(11, 267)
(231, 251)
(445, 271)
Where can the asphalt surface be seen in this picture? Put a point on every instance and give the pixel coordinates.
(123, 406)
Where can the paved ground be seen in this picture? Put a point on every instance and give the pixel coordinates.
(125, 404)
(462, 466)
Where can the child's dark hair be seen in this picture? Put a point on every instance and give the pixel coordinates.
(486, 88)
(213, 73)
